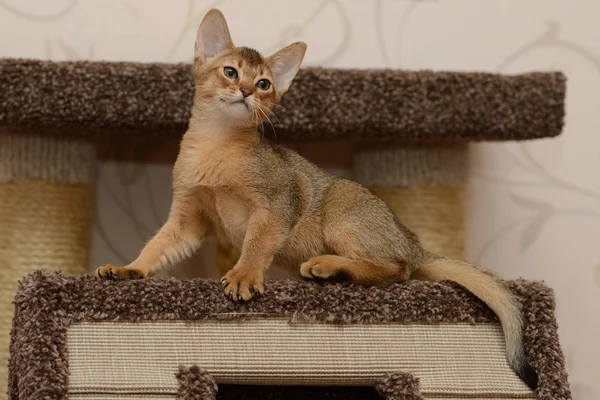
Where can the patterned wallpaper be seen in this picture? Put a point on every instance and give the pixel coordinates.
(533, 208)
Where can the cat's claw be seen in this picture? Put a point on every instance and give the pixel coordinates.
(243, 284)
(113, 272)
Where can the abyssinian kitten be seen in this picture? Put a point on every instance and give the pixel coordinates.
(279, 208)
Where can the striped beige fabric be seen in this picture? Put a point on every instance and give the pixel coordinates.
(45, 158)
(406, 166)
(94, 396)
(451, 360)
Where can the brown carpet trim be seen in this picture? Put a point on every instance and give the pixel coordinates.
(399, 386)
(48, 302)
(81, 97)
(195, 383)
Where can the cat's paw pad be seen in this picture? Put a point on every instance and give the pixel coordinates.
(113, 272)
(243, 284)
(324, 268)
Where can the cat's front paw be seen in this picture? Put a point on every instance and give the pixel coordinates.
(242, 284)
(112, 272)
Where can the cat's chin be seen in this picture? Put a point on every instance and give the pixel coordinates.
(237, 110)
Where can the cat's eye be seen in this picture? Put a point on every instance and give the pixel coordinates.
(263, 84)
(230, 72)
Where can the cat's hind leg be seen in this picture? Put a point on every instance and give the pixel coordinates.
(366, 242)
(338, 268)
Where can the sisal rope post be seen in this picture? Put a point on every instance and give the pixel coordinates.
(46, 208)
(425, 187)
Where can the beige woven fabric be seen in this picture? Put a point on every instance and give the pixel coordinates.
(42, 224)
(434, 213)
(407, 166)
(450, 359)
(46, 158)
(120, 396)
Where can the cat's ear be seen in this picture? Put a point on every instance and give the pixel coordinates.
(213, 36)
(285, 64)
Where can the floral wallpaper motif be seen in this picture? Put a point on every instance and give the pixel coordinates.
(533, 207)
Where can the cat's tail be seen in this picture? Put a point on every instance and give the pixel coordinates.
(493, 292)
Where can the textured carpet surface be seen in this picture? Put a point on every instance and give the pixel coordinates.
(47, 303)
(79, 98)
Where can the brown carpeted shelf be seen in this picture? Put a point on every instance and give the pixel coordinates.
(47, 304)
(78, 98)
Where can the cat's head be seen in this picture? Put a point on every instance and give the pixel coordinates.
(238, 83)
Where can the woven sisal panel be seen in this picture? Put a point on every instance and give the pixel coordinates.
(434, 213)
(284, 396)
(46, 201)
(449, 359)
(41, 223)
(412, 165)
(69, 161)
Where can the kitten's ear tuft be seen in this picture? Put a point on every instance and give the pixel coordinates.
(213, 36)
(285, 64)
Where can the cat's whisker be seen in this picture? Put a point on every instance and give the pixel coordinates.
(258, 122)
(275, 105)
(215, 105)
(209, 97)
(271, 112)
(255, 113)
(266, 110)
(259, 108)
(256, 118)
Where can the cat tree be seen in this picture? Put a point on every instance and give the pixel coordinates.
(410, 131)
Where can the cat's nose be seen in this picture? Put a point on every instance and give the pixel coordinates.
(246, 91)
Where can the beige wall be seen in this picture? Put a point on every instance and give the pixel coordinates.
(534, 208)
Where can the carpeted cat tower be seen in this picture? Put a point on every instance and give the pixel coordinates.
(77, 337)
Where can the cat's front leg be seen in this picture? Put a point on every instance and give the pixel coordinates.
(264, 237)
(179, 238)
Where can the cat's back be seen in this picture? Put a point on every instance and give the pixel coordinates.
(282, 166)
